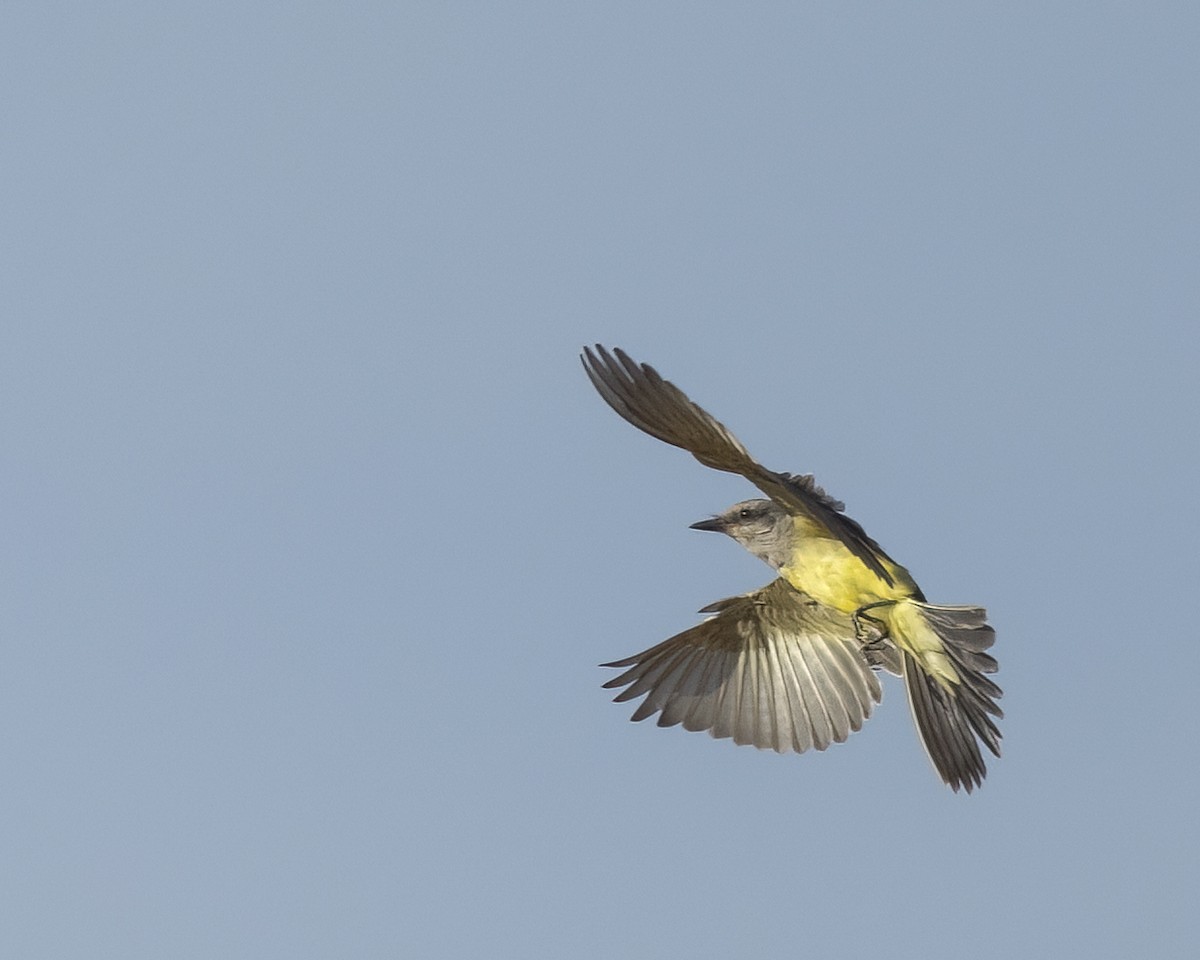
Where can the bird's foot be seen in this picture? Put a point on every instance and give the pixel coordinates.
(870, 631)
(875, 643)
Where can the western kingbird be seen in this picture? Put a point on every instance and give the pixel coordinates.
(791, 666)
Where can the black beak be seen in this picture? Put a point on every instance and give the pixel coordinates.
(715, 524)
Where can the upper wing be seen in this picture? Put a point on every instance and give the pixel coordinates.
(772, 668)
(661, 409)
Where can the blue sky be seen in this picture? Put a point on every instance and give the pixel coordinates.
(315, 530)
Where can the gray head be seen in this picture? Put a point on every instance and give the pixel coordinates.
(761, 526)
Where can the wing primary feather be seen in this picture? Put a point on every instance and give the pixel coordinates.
(701, 714)
(817, 715)
(835, 711)
(780, 699)
(646, 678)
(801, 726)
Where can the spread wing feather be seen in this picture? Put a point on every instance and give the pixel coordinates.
(770, 668)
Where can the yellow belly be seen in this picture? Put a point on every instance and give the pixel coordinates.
(828, 572)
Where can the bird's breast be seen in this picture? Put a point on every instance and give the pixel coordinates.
(828, 572)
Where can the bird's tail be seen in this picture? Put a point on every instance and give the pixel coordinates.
(945, 666)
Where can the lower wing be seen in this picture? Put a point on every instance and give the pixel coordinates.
(771, 668)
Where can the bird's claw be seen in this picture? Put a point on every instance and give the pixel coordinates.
(869, 632)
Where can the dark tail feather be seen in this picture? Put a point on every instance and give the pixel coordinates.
(952, 719)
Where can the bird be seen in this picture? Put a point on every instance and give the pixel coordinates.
(792, 666)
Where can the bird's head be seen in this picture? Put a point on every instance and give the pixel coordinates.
(761, 526)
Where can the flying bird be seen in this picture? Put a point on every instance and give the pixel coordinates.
(792, 666)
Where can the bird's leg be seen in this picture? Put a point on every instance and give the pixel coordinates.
(870, 631)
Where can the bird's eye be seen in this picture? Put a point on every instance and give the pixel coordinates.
(745, 513)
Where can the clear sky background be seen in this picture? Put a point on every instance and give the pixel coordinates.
(314, 530)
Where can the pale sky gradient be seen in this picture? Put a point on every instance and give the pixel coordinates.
(315, 530)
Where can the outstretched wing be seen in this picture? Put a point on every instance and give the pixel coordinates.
(661, 409)
(771, 668)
